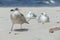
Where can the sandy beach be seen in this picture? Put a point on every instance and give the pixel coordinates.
(36, 31)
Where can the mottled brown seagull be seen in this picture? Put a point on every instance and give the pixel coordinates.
(17, 18)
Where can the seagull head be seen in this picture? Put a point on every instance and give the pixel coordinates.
(43, 13)
(16, 9)
(30, 13)
(12, 10)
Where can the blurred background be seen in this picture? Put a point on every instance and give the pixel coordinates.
(29, 3)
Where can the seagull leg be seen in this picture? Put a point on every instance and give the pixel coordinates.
(11, 28)
(29, 19)
(20, 26)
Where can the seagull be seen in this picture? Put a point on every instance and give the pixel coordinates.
(52, 1)
(47, 2)
(43, 18)
(17, 18)
(30, 16)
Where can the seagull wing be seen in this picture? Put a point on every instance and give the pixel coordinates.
(22, 18)
(11, 16)
(34, 15)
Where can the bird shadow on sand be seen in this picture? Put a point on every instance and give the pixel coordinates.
(21, 30)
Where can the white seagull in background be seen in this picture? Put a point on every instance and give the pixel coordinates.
(49, 2)
(17, 18)
(52, 1)
(30, 16)
(43, 18)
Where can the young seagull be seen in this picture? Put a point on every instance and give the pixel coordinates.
(30, 16)
(43, 18)
(17, 18)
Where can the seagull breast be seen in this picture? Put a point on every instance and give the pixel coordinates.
(43, 18)
(19, 18)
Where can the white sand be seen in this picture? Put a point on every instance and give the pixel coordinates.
(36, 30)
